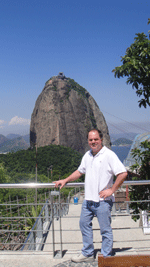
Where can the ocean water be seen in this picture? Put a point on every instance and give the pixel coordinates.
(121, 151)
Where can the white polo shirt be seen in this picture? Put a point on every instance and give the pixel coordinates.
(99, 172)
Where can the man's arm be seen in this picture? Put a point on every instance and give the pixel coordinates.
(74, 176)
(108, 192)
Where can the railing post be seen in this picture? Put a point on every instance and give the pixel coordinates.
(114, 208)
(52, 216)
(58, 215)
(128, 209)
(39, 234)
(46, 213)
(10, 205)
(60, 228)
(31, 241)
(18, 206)
(27, 201)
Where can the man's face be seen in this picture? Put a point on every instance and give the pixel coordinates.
(95, 142)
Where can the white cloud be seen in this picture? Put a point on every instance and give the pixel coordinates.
(21, 121)
(2, 122)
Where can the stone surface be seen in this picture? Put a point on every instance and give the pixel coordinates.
(73, 264)
(64, 113)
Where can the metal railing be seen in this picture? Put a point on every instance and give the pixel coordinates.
(52, 212)
(35, 238)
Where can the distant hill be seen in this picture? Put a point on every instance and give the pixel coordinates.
(26, 138)
(12, 136)
(122, 142)
(129, 136)
(13, 145)
(3, 139)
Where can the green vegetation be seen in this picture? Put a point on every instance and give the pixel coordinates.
(19, 167)
(93, 119)
(49, 80)
(142, 167)
(72, 85)
(31, 220)
(75, 86)
(136, 66)
(63, 159)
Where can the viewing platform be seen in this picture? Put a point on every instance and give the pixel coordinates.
(129, 239)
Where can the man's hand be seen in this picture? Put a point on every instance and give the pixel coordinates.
(74, 176)
(106, 193)
(60, 182)
(119, 180)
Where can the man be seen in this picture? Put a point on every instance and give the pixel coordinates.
(99, 165)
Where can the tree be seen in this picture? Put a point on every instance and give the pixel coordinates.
(4, 178)
(32, 218)
(136, 66)
(142, 167)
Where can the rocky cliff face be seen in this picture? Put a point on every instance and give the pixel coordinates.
(64, 113)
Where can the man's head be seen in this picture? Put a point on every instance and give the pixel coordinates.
(95, 138)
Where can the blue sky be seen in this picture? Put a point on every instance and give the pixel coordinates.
(83, 39)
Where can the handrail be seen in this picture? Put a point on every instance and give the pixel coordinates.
(38, 241)
(52, 185)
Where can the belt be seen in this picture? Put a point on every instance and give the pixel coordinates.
(95, 204)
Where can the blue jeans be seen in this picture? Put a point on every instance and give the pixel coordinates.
(102, 210)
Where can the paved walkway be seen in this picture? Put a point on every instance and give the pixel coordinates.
(131, 241)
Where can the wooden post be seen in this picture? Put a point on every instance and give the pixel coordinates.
(127, 193)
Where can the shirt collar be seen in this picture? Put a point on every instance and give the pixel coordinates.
(100, 152)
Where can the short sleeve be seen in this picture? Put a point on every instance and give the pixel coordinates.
(116, 165)
(82, 167)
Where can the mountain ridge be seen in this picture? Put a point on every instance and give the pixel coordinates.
(14, 144)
